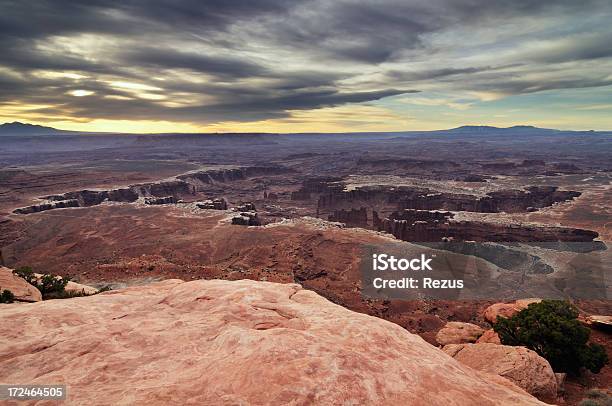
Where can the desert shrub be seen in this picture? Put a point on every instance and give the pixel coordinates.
(49, 285)
(52, 286)
(596, 394)
(551, 329)
(595, 397)
(26, 273)
(64, 294)
(7, 296)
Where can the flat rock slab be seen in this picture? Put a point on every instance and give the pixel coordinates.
(232, 342)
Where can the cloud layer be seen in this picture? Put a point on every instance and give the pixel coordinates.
(217, 61)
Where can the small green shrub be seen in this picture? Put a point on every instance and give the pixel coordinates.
(551, 329)
(595, 397)
(49, 285)
(75, 293)
(7, 296)
(596, 394)
(52, 286)
(26, 273)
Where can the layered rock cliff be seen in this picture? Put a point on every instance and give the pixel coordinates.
(423, 225)
(509, 201)
(162, 192)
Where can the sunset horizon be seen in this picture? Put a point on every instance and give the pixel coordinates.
(312, 66)
(174, 129)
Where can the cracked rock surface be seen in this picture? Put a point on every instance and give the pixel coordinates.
(231, 342)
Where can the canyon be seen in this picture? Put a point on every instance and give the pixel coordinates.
(524, 217)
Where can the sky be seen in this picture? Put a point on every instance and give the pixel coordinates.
(305, 66)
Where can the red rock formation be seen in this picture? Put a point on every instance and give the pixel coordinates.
(352, 217)
(214, 204)
(182, 185)
(86, 198)
(456, 332)
(513, 201)
(23, 291)
(496, 310)
(160, 200)
(47, 206)
(489, 336)
(377, 197)
(601, 322)
(522, 366)
(161, 189)
(421, 225)
(222, 342)
(231, 174)
(247, 206)
(246, 219)
(317, 186)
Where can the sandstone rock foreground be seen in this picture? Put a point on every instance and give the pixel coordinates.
(489, 336)
(456, 332)
(22, 290)
(507, 309)
(222, 342)
(519, 364)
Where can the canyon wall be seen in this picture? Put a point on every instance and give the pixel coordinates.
(167, 191)
(422, 225)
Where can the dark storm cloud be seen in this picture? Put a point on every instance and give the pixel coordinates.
(43, 18)
(253, 105)
(259, 108)
(21, 55)
(532, 86)
(441, 73)
(254, 59)
(211, 64)
(375, 31)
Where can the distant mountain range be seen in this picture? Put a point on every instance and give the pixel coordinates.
(517, 129)
(18, 128)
